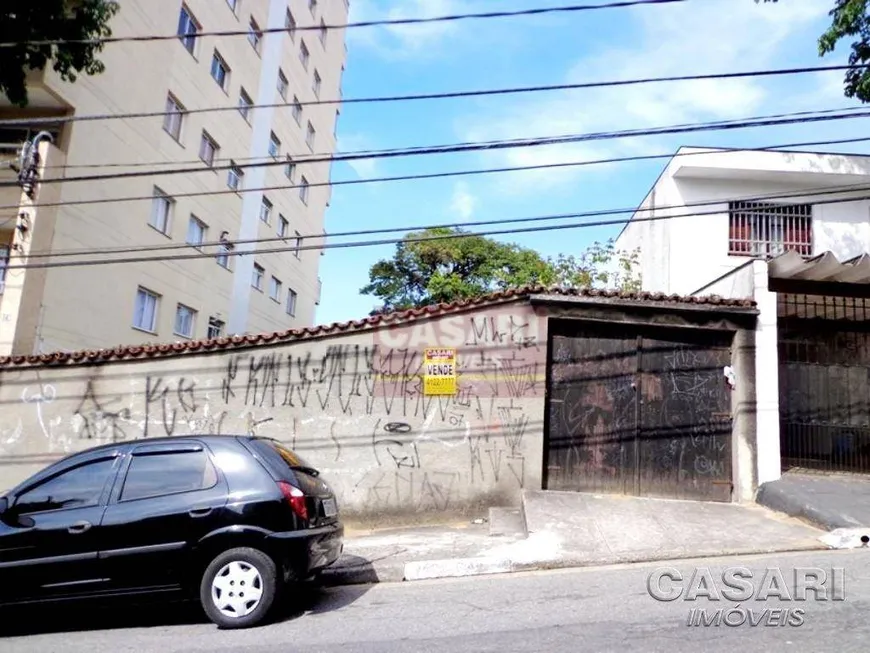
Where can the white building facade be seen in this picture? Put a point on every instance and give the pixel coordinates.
(790, 230)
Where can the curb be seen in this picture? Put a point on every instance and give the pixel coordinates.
(468, 567)
(781, 499)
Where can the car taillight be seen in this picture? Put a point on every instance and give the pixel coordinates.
(295, 498)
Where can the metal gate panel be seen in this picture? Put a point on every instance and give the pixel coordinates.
(824, 382)
(684, 443)
(643, 412)
(592, 420)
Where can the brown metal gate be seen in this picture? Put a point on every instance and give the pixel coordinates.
(643, 411)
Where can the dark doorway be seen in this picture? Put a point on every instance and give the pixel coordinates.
(643, 411)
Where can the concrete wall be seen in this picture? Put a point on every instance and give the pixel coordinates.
(352, 405)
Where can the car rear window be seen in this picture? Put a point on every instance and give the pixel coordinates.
(279, 454)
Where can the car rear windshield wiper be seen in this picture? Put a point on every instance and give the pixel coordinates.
(305, 469)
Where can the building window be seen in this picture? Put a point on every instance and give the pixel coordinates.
(266, 211)
(245, 104)
(223, 258)
(196, 232)
(4, 263)
(145, 313)
(161, 211)
(185, 318)
(208, 148)
(316, 86)
(220, 71)
(767, 229)
(235, 175)
(188, 27)
(290, 24)
(298, 237)
(303, 190)
(304, 56)
(291, 302)
(275, 289)
(310, 136)
(274, 145)
(323, 32)
(257, 280)
(215, 328)
(174, 117)
(289, 169)
(254, 35)
(282, 84)
(283, 226)
(297, 110)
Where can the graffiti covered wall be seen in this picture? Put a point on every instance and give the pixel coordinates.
(352, 405)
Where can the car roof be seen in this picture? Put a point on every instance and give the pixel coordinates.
(162, 439)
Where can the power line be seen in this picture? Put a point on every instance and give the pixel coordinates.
(436, 175)
(454, 148)
(59, 120)
(807, 192)
(371, 243)
(368, 23)
(272, 160)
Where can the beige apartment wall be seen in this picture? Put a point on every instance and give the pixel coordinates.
(352, 405)
(92, 307)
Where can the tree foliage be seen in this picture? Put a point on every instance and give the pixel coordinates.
(446, 269)
(24, 21)
(849, 18)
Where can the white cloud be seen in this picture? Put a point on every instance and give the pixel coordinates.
(697, 37)
(463, 202)
(365, 168)
(404, 41)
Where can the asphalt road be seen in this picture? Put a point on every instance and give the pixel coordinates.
(571, 610)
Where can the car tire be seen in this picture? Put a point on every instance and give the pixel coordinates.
(226, 580)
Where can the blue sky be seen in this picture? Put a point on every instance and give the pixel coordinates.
(696, 37)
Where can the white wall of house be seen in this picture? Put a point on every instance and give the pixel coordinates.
(682, 254)
(688, 254)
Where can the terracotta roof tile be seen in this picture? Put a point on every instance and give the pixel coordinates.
(162, 350)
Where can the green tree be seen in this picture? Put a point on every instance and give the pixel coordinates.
(849, 18)
(25, 21)
(458, 266)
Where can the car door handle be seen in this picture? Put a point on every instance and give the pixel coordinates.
(199, 512)
(79, 527)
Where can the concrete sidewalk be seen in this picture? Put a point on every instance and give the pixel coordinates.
(837, 503)
(566, 529)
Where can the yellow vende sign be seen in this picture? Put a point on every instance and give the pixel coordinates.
(439, 371)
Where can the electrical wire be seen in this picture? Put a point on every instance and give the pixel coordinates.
(368, 23)
(807, 192)
(434, 175)
(454, 148)
(371, 243)
(61, 120)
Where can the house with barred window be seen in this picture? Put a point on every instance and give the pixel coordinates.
(791, 231)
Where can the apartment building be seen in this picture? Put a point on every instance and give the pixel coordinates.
(222, 292)
(791, 231)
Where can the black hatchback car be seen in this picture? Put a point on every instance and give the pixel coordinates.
(230, 520)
